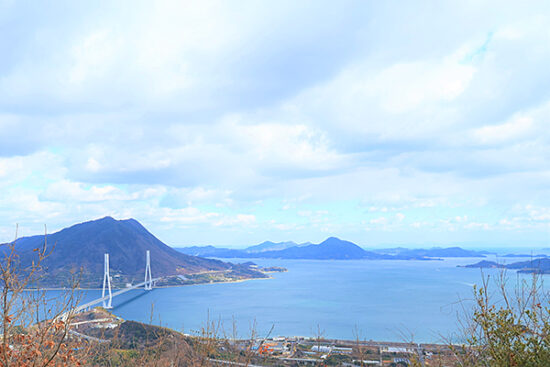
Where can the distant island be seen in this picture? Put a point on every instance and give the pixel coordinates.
(78, 252)
(332, 248)
(537, 266)
(524, 255)
(433, 252)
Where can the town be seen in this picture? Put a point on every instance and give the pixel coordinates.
(100, 326)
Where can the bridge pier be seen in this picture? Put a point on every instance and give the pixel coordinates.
(106, 284)
(148, 279)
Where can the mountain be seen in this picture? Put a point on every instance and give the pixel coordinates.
(273, 246)
(539, 266)
(83, 246)
(223, 252)
(211, 251)
(433, 252)
(331, 249)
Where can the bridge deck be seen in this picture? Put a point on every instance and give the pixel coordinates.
(113, 295)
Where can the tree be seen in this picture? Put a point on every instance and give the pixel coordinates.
(506, 327)
(35, 328)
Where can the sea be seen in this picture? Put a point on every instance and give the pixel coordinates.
(383, 300)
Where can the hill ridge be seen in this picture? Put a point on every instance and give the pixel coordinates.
(81, 247)
(343, 249)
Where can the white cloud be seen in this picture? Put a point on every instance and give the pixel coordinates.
(190, 113)
(281, 145)
(93, 165)
(241, 220)
(476, 225)
(189, 215)
(517, 128)
(92, 57)
(380, 220)
(69, 191)
(396, 101)
(404, 87)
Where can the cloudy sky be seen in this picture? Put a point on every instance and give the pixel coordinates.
(230, 123)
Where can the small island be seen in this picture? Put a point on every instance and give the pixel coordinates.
(535, 266)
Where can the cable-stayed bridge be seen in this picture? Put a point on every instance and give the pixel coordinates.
(107, 295)
(106, 300)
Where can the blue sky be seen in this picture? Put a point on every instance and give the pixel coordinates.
(230, 123)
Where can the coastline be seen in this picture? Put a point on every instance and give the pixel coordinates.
(158, 287)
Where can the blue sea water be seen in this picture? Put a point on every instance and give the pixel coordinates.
(377, 300)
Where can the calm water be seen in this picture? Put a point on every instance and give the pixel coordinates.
(382, 299)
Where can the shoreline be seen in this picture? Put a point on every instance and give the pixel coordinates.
(158, 287)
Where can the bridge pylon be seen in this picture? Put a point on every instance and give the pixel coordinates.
(106, 283)
(148, 278)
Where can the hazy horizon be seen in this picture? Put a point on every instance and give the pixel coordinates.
(525, 249)
(518, 249)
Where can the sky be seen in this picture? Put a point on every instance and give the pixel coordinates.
(230, 123)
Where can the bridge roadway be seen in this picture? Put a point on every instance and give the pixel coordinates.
(113, 295)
